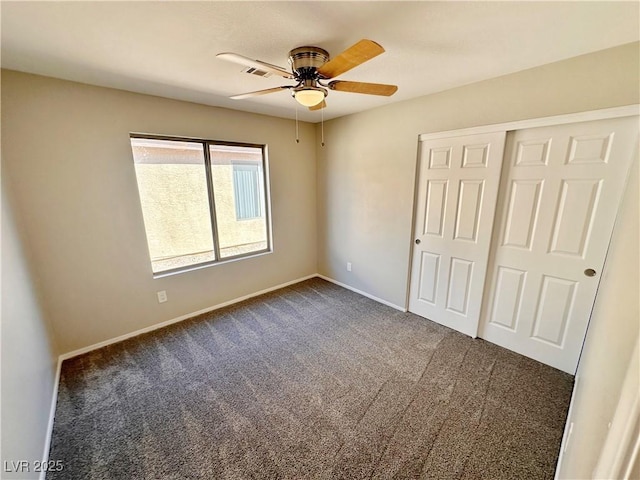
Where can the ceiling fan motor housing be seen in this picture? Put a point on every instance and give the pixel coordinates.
(306, 60)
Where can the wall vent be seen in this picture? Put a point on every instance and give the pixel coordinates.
(256, 71)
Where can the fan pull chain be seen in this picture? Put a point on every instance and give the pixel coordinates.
(297, 134)
(322, 127)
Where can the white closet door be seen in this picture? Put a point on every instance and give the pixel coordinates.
(560, 192)
(458, 182)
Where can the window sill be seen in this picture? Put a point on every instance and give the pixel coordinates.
(200, 266)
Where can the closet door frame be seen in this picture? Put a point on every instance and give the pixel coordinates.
(609, 113)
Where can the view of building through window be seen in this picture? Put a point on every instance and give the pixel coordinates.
(202, 201)
(238, 185)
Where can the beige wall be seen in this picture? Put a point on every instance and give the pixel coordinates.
(28, 353)
(66, 146)
(613, 332)
(366, 176)
(366, 169)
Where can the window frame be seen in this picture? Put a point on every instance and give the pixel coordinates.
(212, 206)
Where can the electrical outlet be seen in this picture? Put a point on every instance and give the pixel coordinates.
(348, 266)
(162, 296)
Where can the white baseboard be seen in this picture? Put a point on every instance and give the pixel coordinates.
(365, 294)
(567, 428)
(52, 415)
(166, 323)
(95, 346)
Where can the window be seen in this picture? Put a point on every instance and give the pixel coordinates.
(202, 201)
(246, 190)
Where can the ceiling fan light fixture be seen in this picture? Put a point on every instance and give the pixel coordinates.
(309, 96)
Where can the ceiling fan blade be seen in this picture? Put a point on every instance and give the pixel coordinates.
(259, 92)
(361, 87)
(247, 62)
(319, 106)
(352, 57)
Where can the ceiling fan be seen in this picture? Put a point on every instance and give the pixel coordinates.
(310, 67)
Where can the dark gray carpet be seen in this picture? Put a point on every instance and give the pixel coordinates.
(311, 381)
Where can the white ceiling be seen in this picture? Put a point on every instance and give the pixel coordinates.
(168, 48)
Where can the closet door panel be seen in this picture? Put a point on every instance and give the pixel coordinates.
(458, 182)
(559, 196)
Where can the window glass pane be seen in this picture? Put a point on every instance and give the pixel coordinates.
(175, 203)
(246, 189)
(239, 194)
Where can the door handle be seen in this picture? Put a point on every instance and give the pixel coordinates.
(417, 241)
(590, 272)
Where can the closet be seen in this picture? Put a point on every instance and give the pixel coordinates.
(511, 228)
